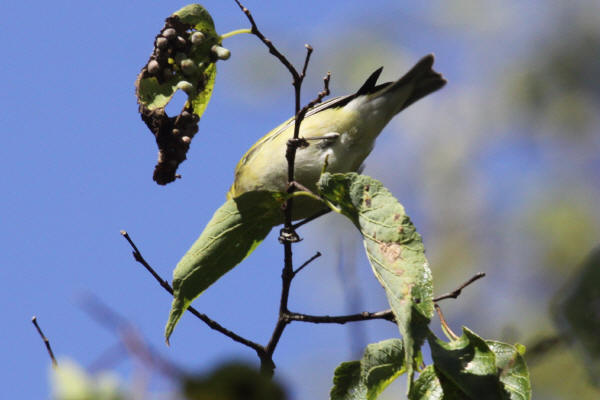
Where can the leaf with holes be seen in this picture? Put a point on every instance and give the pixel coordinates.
(234, 231)
(184, 56)
(395, 251)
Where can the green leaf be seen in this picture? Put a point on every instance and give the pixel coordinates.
(234, 231)
(365, 379)
(478, 369)
(576, 313)
(192, 65)
(395, 251)
(431, 385)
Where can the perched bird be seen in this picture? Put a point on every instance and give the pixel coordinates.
(342, 130)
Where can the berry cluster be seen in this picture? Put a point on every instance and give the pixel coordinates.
(173, 48)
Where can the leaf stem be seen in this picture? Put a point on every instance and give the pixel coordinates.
(236, 32)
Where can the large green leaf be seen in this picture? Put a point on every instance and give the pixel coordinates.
(472, 368)
(576, 313)
(234, 231)
(365, 379)
(395, 251)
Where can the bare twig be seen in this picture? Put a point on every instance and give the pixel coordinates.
(288, 235)
(456, 292)
(317, 255)
(272, 49)
(312, 218)
(342, 319)
(46, 341)
(137, 255)
(542, 347)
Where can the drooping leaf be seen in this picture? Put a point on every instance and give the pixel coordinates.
(576, 313)
(365, 379)
(395, 251)
(234, 231)
(184, 57)
(478, 369)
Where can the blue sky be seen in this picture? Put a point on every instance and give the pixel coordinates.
(78, 167)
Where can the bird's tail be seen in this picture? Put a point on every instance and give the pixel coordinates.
(423, 79)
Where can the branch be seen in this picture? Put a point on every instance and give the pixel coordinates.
(129, 337)
(137, 255)
(46, 341)
(272, 49)
(456, 292)
(287, 235)
(342, 319)
(317, 255)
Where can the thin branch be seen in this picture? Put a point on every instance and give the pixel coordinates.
(456, 292)
(46, 341)
(129, 337)
(542, 347)
(313, 258)
(272, 49)
(311, 218)
(287, 235)
(342, 319)
(309, 51)
(137, 255)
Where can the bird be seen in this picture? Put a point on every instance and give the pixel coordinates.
(341, 132)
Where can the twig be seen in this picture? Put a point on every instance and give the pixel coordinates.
(542, 347)
(288, 235)
(267, 42)
(311, 218)
(46, 341)
(129, 336)
(456, 292)
(317, 255)
(137, 255)
(451, 335)
(342, 319)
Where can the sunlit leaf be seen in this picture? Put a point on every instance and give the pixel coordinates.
(234, 231)
(365, 379)
(395, 251)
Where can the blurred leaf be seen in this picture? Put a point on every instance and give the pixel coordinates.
(577, 313)
(71, 382)
(481, 370)
(365, 379)
(234, 231)
(232, 382)
(395, 251)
